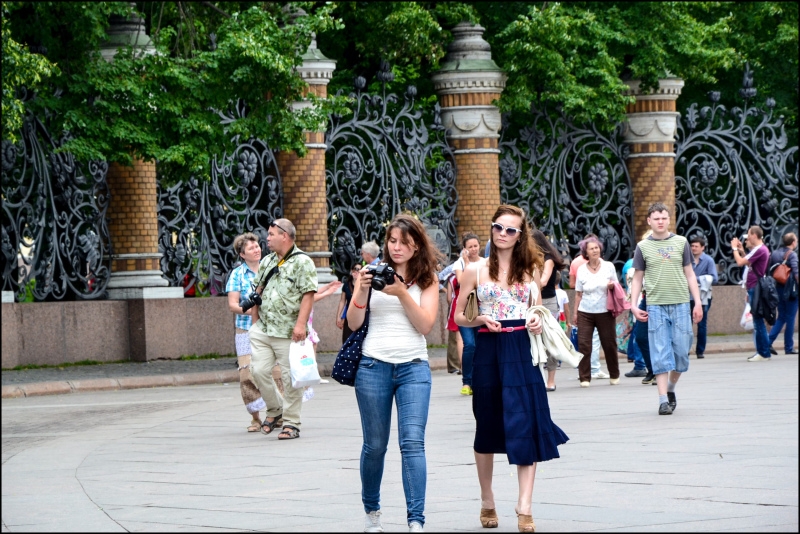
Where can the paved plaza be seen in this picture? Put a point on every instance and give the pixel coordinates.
(179, 459)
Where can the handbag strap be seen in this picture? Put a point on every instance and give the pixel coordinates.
(366, 313)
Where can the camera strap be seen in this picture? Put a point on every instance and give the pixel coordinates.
(272, 272)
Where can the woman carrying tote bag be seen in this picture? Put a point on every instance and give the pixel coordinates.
(394, 363)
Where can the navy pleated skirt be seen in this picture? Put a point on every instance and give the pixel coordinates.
(512, 415)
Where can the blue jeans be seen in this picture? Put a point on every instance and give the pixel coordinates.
(409, 384)
(642, 340)
(702, 328)
(468, 354)
(634, 353)
(759, 330)
(787, 309)
(669, 329)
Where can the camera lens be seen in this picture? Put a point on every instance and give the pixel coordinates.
(378, 284)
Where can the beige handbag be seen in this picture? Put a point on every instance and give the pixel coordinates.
(471, 310)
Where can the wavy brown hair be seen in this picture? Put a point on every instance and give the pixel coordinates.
(423, 264)
(526, 255)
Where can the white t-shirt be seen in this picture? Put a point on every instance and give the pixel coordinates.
(594, 286)
(391, 337)
(562, 297)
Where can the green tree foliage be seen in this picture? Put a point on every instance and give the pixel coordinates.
(164, 106)
(21, 68)
(571, 54)
(575, 54)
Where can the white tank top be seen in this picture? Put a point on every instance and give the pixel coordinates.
(391, 337)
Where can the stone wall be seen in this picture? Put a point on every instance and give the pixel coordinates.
(60, 332)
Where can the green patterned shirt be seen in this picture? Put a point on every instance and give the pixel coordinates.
(282, 296)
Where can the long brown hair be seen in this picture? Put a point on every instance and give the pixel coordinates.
(526, 255)
(423, 265)
(547, 247)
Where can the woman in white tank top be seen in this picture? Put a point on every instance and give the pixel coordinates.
(394, 365)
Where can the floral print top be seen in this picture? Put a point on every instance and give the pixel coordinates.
(505, 304)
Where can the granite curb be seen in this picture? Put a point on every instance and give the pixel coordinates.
(437, 363)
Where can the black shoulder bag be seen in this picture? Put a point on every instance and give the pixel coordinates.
(346, 364)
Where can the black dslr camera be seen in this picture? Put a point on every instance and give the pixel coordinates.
(248, 302)
(382, 276)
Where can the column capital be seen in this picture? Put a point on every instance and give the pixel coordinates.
(652, 119)
(467, 83)
(668, 89)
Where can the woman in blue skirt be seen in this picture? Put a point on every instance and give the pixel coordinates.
(509, 400)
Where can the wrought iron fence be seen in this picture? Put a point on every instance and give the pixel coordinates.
(382, 160)
(198, 219)
(55, 239)
(570, 179)
(733, 170)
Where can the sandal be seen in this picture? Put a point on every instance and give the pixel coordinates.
(269, 426)
(289, 432)
(255, 425)
(489, 518)
(525, 523)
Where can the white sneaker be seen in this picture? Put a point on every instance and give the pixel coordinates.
(758, 358)
(614, 381)
(415, 527)
(585, 384)
(372, 523)
(601, 374)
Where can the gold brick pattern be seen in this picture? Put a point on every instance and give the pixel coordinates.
(478, 185)
(653, 180)
(469, 99)
(317, 90)
(133, 215)
(139, 264)
(466, 144)
(304, 200)
(650, 148)
(642, 106)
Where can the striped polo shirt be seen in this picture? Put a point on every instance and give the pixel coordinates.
(662, 261)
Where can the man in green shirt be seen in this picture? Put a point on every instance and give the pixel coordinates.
(664, 261)
(287, 281)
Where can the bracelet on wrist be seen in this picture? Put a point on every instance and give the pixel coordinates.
(359, 307)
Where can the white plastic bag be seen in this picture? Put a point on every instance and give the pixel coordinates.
(747, 318)
(302, 364)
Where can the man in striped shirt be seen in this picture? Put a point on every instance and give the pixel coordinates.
(666, 259)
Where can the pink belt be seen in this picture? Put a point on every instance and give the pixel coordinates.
(504, 329)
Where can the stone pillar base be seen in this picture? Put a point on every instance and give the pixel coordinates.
(324, 272)
(129, 293)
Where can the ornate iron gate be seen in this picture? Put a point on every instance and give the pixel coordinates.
(55, 238)
(571, 180)
(383, 160)
(733, 170)
(198, 219)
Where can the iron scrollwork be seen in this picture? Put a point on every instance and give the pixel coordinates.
(55, 238)
(734, 170)
(571, 180)
(198, 219)
(383, 160)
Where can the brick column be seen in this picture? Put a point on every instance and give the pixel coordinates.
(133, 206)
(133, 227)
(467, 83)
(650, 130)
(303, 179)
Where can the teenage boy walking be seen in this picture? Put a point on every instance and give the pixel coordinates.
(666, 260)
